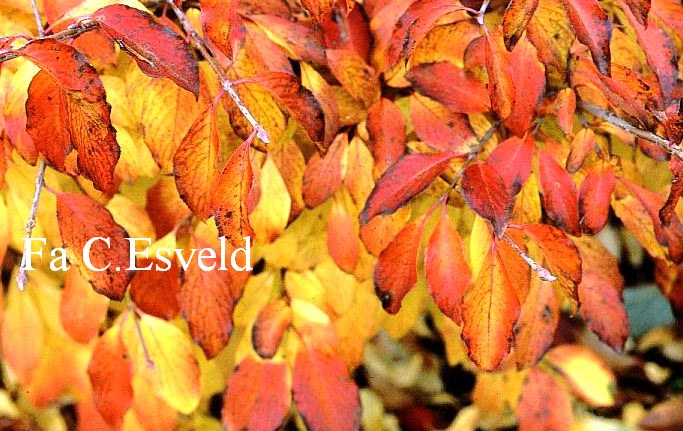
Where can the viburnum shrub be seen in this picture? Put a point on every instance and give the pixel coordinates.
(237, 196)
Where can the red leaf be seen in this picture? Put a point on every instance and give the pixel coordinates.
(501, 85)
(229, 200)
(342, 238)
(155, 291)
(303, 40)
(323, 174)
(257, 396)
(515, 19)
(222, 24)
(446, 269)
(269, 327)
(324, 393)
(402, 181)
(528, 75)
(600, 293)
(511, 159)
(560, 198)
(299, 102)
(195, 163)
(593, 28)
(544, 403)
(594, 199)
(110, 376)
(414, 24)
(535, 328)
(81, 219)
(640, 9)
(463, 95)
(207, 299)
(156, 48)
(440, 128)
(386, 129)
(81, 310)
(396, 270)
(489, 311)
(485, 192)
(59, 120)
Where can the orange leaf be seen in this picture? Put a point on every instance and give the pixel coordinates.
(511, 159)
(303, 40)
(257, 396)
(466, 95)
(323, 174)
(528, 75)
(583, 143)
(396, 270)
(386, 129)
(165, 207)
(544, 403)
(324, 393)
(565, 104)
(515, 19)
(207, 299)
(81, 310)
(357, 77)
(410, 175)
(158, 50)
(59, 120)
(600, 293)
(594, 199)
(155, 291)
(110, 375)
(593, 28)
(195, 163)
(535, 328)
(342, 238)
(440, 128)
(270, 326)
(486, 193)
(501, 86)
(560, 198)
(446, 269)
(81, 220)
(667, 212)
(229, 200)
(299, 102)
(489, 311)
(222, 24)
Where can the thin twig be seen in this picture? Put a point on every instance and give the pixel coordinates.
(36, 15)
(69, 33)
(543, 273)
(138, 332)
(226, 84)
(671, 147)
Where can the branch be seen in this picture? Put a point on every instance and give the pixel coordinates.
(670, 147)
(541, 271)
(226, 84)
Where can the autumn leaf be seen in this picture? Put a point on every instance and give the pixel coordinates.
(110, 374)
(324, 393)
(157, 49)
(257, 396)
(342, 237)
(535, 327)
(544, 403)
(501, 85)
(81, 310)
(593, 29)
(528, 76)
(594, 198)
(21, 353)
(196, 163)
(155, 290)
(440, 128)
(467, 95)
(489, 309)
(269, 327)
(410, 175)
(386, 129)
(323, 174)
(515, 19)
(162, 355)
(84, 221)
(229, 199)
(667, 212)
(222, 24)
(486, 193)
(396, 272)
(446, 270)
(511, 160)
(560, 198)
(582, 145)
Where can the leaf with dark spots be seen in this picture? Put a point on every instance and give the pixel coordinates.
(515, 19)
(156, 48)
(409, 176)
(593, 28)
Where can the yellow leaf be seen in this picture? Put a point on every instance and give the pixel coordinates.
(587, 374)
(132, 218)
(270, 216)
(165, 361)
